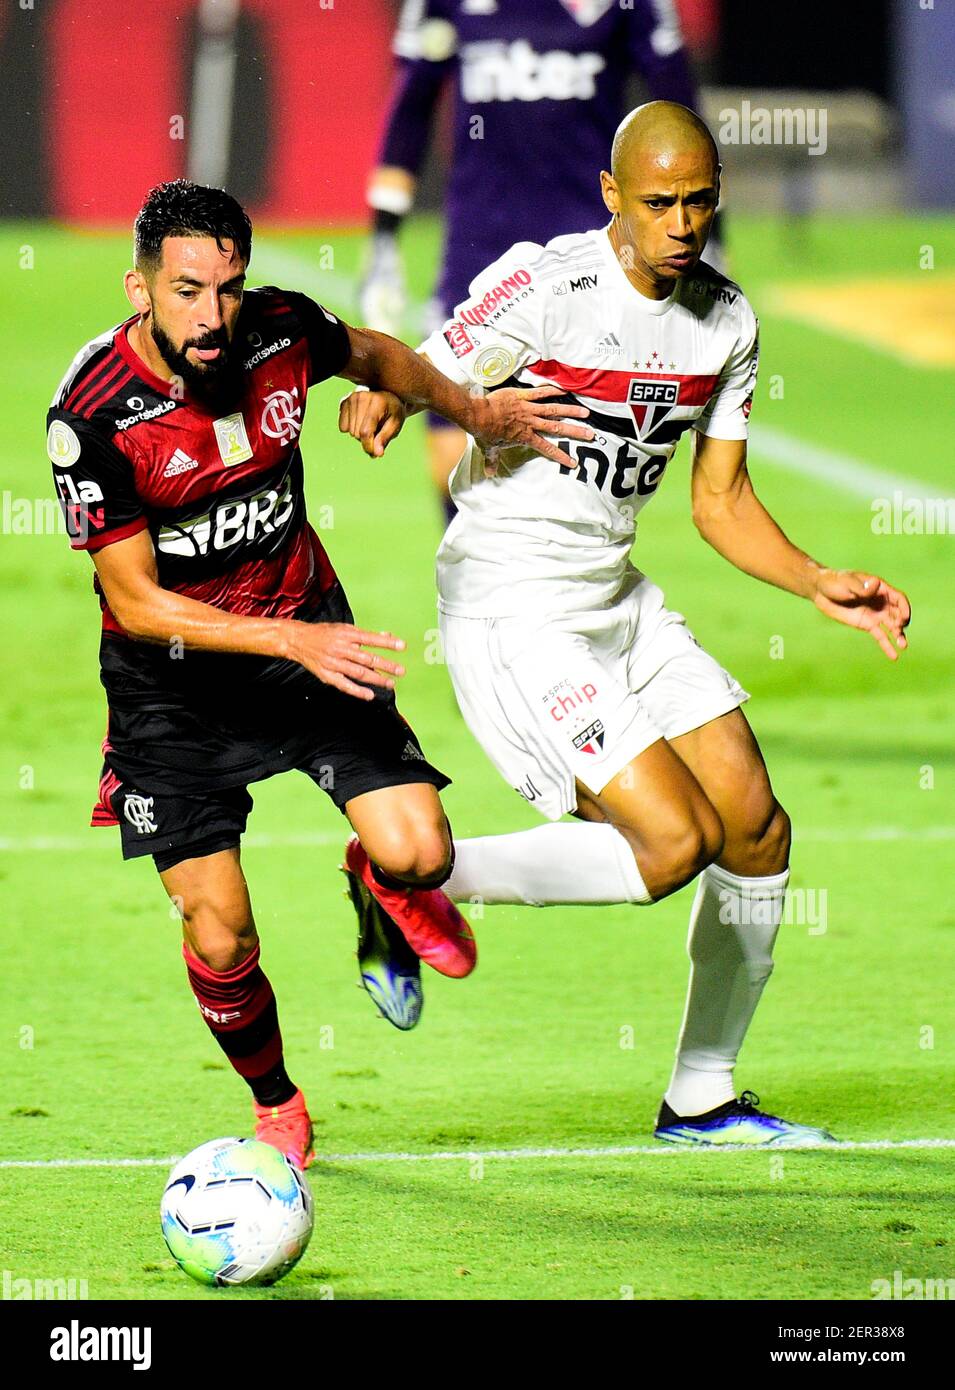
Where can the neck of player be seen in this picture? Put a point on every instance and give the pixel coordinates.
(640, 278)
(141, 341)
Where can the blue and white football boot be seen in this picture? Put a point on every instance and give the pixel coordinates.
(389, 969)
(736, 1122)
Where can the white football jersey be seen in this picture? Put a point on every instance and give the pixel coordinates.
(540, 537)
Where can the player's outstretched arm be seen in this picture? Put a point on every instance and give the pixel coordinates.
(334, 652)
(506, 417)
(731, 518)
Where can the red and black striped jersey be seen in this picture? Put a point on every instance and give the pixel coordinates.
(221, 496)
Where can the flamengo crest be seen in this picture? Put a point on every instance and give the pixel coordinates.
(282, 418)
(138, 810)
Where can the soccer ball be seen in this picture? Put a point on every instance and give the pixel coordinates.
(235, 1211)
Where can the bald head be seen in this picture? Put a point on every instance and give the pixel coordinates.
(659, 135)
(663, 193)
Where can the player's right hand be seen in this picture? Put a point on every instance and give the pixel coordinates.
(335, 653)
(382, 297)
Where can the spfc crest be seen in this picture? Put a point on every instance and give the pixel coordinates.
(652, 399)
(591, 739)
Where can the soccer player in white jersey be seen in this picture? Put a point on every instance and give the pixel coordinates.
(585, 691)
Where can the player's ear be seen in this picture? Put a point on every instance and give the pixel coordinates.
(137, 291)
(610, 191)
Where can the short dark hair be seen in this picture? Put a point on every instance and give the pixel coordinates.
(181, 208)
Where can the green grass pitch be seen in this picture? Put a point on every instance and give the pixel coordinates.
(563, 1038)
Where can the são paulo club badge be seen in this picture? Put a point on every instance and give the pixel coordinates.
(591, 739)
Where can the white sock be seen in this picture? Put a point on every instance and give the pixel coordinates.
(733, 925)
(559, 863)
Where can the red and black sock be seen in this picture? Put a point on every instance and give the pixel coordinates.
(239, 1007)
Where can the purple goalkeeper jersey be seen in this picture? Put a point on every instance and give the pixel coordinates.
(539, 92)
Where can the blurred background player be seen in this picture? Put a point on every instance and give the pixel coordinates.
(539, 89)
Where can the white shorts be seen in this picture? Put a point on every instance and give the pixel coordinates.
(578, 697)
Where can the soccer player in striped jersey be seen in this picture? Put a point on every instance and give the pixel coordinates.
(588, 694)
(538, 90)
(228, 649)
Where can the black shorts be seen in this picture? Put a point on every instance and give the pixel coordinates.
(186, 738)
(374, 748)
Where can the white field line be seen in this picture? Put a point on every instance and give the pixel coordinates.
(511, 1155)
(827, 466)
(97, 840)
(278, 265)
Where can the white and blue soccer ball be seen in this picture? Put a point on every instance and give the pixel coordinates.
(235, 1211)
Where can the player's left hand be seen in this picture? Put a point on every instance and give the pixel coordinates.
(867, 602)
(373, 418)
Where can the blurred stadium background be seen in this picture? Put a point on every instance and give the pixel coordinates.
(564, 1037)
(283, 100)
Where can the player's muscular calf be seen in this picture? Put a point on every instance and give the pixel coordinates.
(725, 760)
(213, 900)
(665, 816)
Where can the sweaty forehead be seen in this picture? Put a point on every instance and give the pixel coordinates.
(200, 257)
(668, 167)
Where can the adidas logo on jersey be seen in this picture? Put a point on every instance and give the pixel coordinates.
(179, 463)
(609, 344)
